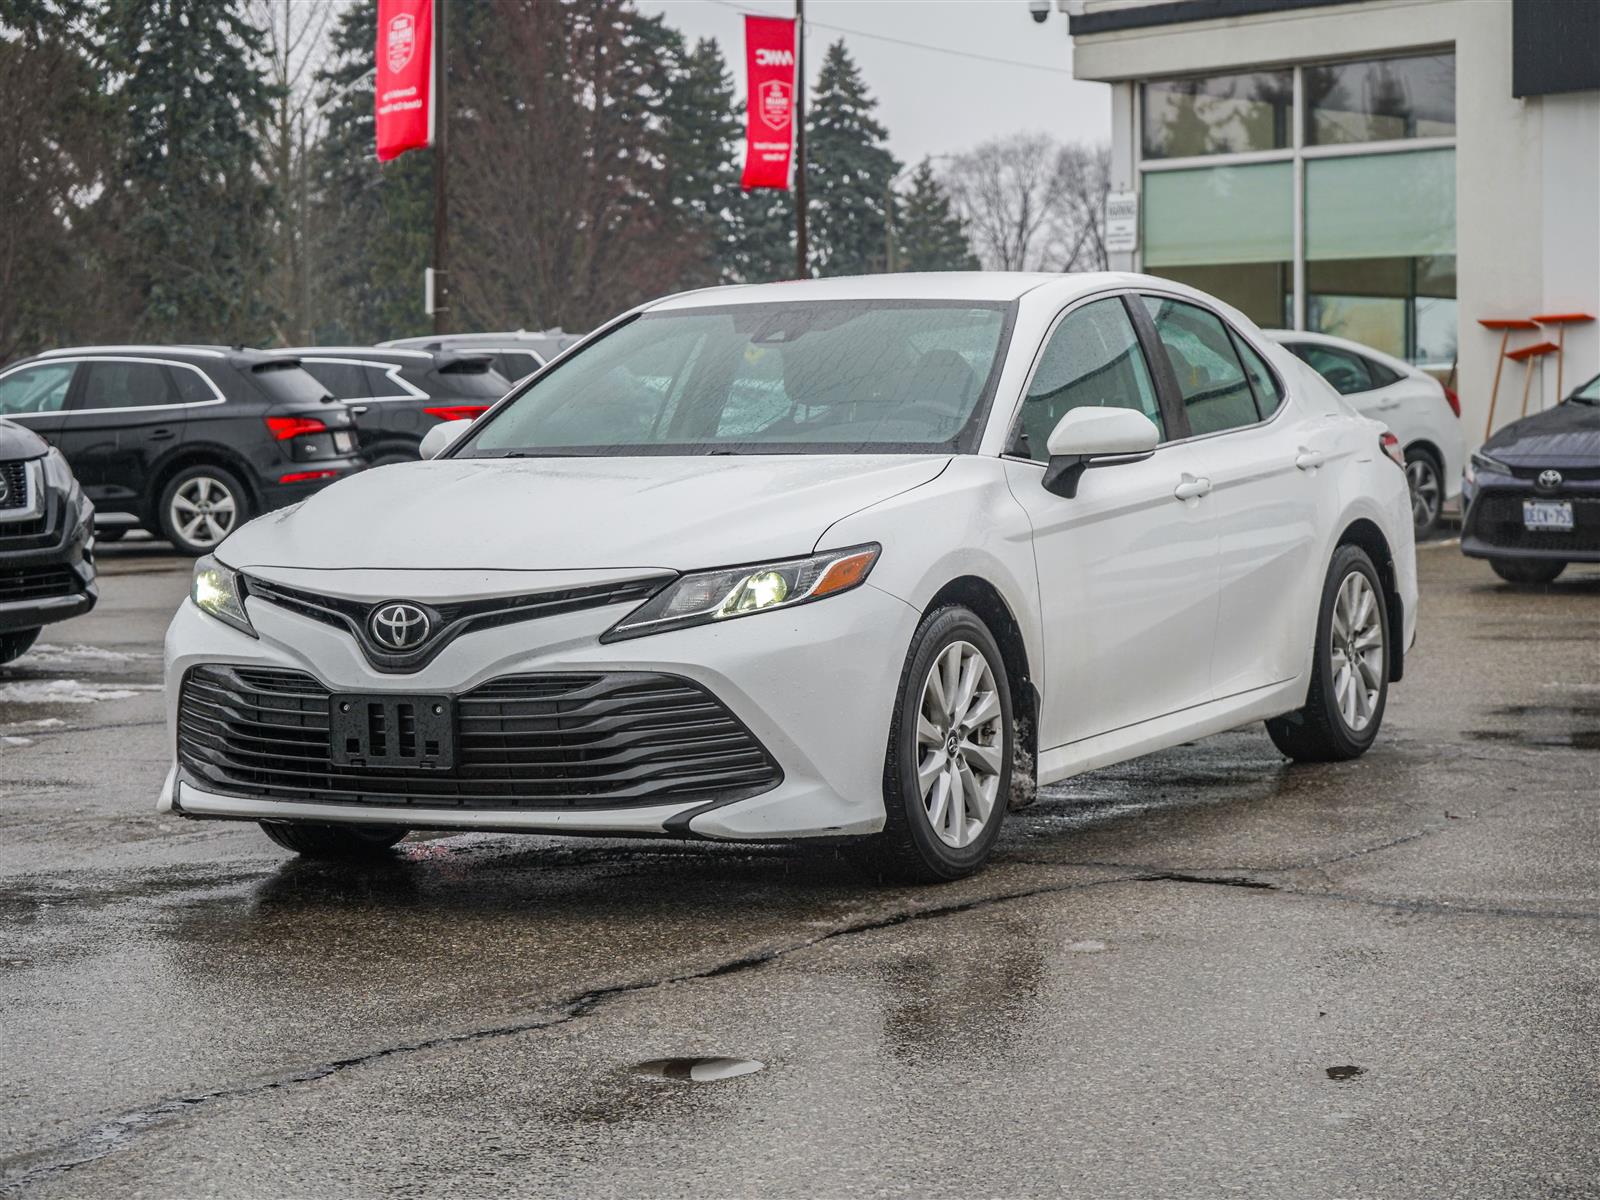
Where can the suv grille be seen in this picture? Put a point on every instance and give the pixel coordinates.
(15, 475)
(523, 742)
(37, 583)
(1496, 518)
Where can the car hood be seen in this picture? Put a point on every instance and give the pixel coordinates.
(17, 442)
(1567, 435)
(547, 514)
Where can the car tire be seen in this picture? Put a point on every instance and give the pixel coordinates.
(337, 842)
(1343, 710)
(15, 644)
(1425, 481)
(935, 755)
(200, 506)
(1527, 570)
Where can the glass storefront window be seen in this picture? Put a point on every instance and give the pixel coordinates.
(1403, 306)
(1264, 292)
(1217, 114)
(1380, 100)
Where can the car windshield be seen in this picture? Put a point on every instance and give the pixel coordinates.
(805, 378)
(1589, 393)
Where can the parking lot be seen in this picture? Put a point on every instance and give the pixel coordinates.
(1203, 972)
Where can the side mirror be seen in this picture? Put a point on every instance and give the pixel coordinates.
(1096, 437)
(439, 438)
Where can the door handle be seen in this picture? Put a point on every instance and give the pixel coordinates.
(358, 409)
(1309, 460)
(1192, 488)
(162, 435)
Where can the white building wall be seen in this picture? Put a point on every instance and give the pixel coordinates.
(1510, 228)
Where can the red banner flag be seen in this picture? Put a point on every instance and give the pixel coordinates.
(769, 131)
(405, 76)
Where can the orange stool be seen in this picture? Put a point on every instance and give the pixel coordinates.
(1561, 321)
(1506, 325)
(1525, 355)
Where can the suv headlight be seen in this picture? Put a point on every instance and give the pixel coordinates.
(705, 597)
(218, 592)
(1482, 462)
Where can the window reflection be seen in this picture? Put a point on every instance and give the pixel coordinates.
(1217, 114)
(1380, 100)
(1403, 306)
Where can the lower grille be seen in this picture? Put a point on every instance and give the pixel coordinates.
(1497, 520)
(558, 741)
(37, 583)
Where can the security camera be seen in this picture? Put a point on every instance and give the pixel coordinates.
(1039, 10)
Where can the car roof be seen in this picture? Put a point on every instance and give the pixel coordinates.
(239, 356)
(371, 353)
(977, 286)
(518, 339)
(1339, 343)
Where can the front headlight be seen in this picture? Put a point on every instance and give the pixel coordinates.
(216, 591)
(1482, 462)
(56, 471)
(708, 596)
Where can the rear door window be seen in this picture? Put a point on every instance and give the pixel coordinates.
(114, 384)
(1092, 360)
(347, 381)
(39, 389)
(1211, 379)
(1348, 373)
(287, 383)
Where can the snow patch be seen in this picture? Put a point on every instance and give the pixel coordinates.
(47, 654)
(70, 691)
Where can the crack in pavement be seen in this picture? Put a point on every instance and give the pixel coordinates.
(119, 1132)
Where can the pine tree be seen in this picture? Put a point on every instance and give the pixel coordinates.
(375, 223)
(849, 172)
(702, 136)
(187, 81)
(928, 235)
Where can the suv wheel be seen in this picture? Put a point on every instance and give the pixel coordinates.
(200, 506)
(334, 841)
(15, 644)
(1426, 482)
(947, 775)
(1527, 570)
(1350, 668)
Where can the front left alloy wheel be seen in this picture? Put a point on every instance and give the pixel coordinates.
(200, 506)
(947, 774)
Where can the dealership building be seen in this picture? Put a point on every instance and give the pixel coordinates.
(1391, 171)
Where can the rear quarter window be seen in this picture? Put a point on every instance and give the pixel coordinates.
(287, 383)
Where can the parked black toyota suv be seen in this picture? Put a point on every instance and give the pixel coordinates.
(46, 540)
(1531, 493)
(398, 395)
(188, 441)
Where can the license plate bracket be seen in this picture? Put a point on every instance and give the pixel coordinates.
(1547, 515)
(383, 730)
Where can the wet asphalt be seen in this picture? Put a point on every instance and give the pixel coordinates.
(1205, 973)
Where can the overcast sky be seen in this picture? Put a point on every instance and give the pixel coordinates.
(931, 102)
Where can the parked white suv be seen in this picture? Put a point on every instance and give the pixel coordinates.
(839, 558)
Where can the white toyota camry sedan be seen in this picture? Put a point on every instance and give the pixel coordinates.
(866, 559)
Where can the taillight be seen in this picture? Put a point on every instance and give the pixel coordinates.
(1391, 447)
(457, 412)
(1453, 399)
(306, 476)
(284, 428)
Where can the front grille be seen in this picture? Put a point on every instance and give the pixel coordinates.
(1496, 519)
(558, 741)
(37, 583)
(15, 475)
(450, 621)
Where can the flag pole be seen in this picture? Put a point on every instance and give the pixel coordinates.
(800, 251)
(441, 159)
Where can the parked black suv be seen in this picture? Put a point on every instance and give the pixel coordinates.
(46, 540)
(398, 395)
(188, 441)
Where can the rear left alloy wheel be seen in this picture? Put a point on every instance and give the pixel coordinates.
(1350, 668)
(1426, 482)
(334, 841)
(947, 774)
(200, 506)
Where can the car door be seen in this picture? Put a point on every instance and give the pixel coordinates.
(34, 396)
(123, 415)
(1127, 568)
(1268, 493)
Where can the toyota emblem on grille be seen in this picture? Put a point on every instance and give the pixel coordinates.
(399, 626)
(5, 490)
(1549, 479)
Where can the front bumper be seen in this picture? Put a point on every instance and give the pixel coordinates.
(815, 685)
(1492, 526)
(46, 561)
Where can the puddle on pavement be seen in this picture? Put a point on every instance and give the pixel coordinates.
(1574, 726)
(1348, 1071)
(698, 1070)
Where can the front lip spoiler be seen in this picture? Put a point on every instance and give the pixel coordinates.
(186, 800)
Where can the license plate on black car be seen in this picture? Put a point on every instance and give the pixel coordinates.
(343, 442)
(1547, 514)
(393, 731)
